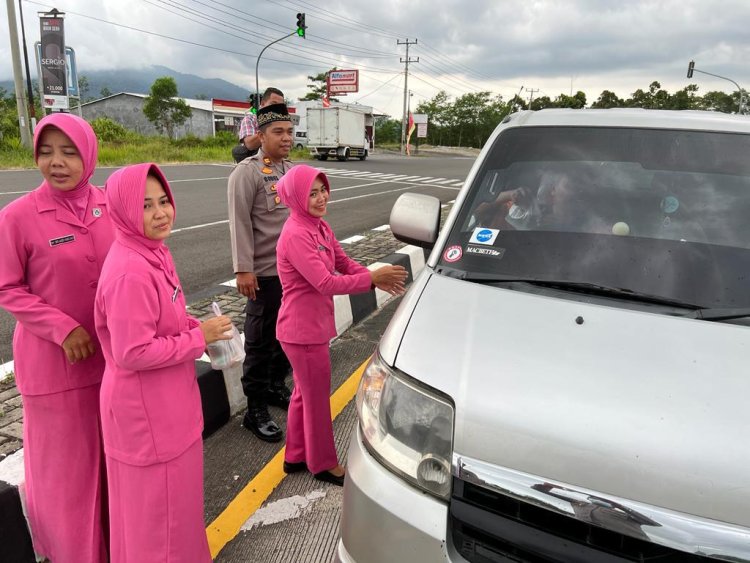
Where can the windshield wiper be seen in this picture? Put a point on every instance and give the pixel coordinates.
(721, 314)
(584, 287)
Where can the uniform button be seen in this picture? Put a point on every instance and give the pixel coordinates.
(85, 231)
(277, 199)
(273, 188)
(92, 284)
(91, 258)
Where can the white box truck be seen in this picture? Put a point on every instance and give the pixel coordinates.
(337, 132)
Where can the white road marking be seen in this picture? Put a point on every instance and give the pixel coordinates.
(382, 228)
(15, 193)
(282, 510)
(198, 179)
(190, 228)
(351, 240)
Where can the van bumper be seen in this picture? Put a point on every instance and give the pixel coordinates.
(385, 519)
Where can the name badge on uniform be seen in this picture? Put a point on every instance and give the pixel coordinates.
(61, 240)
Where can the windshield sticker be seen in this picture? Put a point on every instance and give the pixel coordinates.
(484, 251)
(670, 204)
(484, 236)
(453, 254)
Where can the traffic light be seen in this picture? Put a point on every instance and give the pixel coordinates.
(301, 24)
(691, 66)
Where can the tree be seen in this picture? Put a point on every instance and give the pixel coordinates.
(387, 130)
(104, 92)
(163, 108)
(83, 88)
(608, 100)
(317, 87)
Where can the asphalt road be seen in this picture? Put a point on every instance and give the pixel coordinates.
(363, 193)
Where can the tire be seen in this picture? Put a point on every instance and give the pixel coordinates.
(364, 156)
(323, 157)
(345, 157)
(299, 146)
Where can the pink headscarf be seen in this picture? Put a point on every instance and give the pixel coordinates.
(83, 137)
(126, 190)
(294, 191)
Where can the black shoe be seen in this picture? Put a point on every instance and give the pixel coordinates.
(329, 477)
(294, 467)
(279, 396)
(260, 423)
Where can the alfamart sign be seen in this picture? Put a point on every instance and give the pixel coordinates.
(343, 81)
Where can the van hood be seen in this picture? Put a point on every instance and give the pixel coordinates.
(638, 405)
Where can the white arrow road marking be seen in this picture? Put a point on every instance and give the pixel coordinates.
(282, 510)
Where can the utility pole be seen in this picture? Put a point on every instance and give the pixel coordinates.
(405, 117)
(531, 96)
(23, 116)
(32, 111)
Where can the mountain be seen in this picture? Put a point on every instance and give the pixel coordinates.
(139, 81)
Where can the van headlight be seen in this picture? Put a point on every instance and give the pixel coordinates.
(407, 427)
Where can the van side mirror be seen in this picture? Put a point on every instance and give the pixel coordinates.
(415, 219)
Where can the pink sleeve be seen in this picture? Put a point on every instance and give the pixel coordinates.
(131, 304)
(302, 253)
(41, 318)
(192, 321)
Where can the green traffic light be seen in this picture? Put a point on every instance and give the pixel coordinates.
(300, 32)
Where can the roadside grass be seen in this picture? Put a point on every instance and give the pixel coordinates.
(144, 149)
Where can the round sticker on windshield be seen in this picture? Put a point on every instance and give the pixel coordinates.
(670, 204)
(453, 253)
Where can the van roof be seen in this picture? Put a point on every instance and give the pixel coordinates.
(631, 117)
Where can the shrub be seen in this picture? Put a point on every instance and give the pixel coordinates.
(107, 129)
(221, 139)
(188, 141)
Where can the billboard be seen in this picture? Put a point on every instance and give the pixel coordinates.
(71, 68)
(420, 119)
(343, 81)
(52, 65)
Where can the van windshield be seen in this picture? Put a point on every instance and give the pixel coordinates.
(656, 212)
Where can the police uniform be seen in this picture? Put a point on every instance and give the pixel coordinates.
(256, 216)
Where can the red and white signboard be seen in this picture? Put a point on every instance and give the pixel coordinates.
(342, 81)
(420, 119)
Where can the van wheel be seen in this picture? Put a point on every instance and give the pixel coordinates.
(323, 157)
(364, 156)
(345, 156)
(299, 146)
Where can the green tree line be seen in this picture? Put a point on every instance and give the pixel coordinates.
(469, 120)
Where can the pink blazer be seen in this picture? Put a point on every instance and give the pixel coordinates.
(150, 402)
(49, 267)
(310, 264)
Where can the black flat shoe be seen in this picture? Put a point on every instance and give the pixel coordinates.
(329, 477)
(294, 467)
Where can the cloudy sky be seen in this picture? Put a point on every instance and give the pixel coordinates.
(503, 46)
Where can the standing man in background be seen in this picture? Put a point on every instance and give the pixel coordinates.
(256, 216)
(249, 139)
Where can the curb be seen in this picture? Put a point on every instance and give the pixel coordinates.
(221, 398)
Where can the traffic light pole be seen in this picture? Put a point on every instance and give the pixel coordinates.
(692, 69)
(257, 93)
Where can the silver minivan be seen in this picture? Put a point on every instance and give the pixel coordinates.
(568, 379)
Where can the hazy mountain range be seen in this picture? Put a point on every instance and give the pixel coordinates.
(140, 80)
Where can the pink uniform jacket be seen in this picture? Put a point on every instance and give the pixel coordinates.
(150, 402)
(49, 267)
(311, 262)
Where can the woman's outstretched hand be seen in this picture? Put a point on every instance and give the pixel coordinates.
(390, 279)
(217, 328)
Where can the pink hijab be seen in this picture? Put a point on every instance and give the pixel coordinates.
(126, 190)
(294, 191)
(83, 137)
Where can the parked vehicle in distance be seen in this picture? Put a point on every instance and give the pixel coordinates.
(336, 132)
(300, 139)
(567, 380)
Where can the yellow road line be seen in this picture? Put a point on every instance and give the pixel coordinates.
(227, 525)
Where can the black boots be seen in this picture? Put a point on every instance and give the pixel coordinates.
(260, 423)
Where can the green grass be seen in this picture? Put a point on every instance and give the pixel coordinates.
(144, 149)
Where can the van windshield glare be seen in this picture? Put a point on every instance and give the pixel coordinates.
(652, 211)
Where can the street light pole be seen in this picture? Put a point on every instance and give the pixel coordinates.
(257, 93)
(691, 69)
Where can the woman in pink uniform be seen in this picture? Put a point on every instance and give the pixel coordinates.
(53, 242)
(313, 268)
(150, 402)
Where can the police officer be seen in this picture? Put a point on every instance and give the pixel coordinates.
(256, 216)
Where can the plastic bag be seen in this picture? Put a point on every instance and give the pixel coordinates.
(226, 353)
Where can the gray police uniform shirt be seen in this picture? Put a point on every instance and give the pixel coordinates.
(256, 214)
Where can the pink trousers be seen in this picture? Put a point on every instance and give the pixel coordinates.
(309, 429)
(156, 511)
(64, 474)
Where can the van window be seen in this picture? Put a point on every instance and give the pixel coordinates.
(658, 212)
